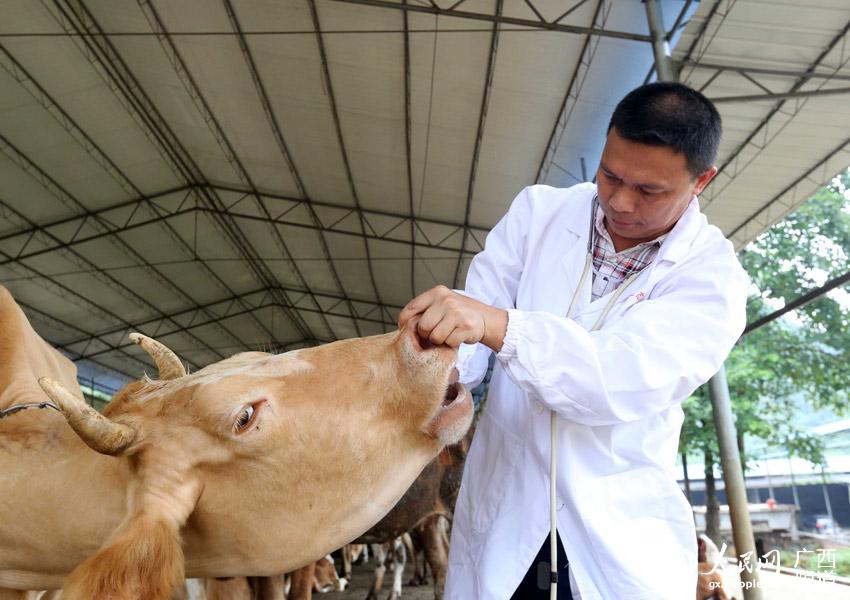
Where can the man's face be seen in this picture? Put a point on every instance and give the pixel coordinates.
(643, 190)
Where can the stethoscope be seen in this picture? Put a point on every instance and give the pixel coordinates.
(553, 526)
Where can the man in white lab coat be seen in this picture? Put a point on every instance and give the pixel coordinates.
(607, 303)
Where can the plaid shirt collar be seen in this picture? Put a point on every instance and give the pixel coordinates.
(611, 268)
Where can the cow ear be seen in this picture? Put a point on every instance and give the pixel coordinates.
(143, 558)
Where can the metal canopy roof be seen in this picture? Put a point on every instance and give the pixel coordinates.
(239, 174)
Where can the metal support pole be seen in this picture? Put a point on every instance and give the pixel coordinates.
(793, 482)
(733, 476)
(826, 496)
(770, 493)
(664, 65)
(795, 534)
(730, 458)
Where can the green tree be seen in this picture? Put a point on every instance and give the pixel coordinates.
(803, 358)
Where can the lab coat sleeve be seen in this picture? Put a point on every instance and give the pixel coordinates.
(493, 278)
(651, 357)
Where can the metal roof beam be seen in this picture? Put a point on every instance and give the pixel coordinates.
(74, 16)
(407, 147)
(762, 71)
(715, 9)
(269, 303)
(232, 306)
(436, 235)
(326, 74)
(600, 16)
(680, 21)
(67, 293)
(800, 301)
(503, 19)
(232, 231)
(50, 238)
(368, 213)
(714, 189)
(781, 95)
(660, 46)
(842, 147)
(479, 135)
(34, 313)
(281, 143)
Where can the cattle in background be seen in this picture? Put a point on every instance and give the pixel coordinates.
(120, 510)
(709, 570)
(390, 555)
(228, 588)
(433, 493)
(429, 549)
(319, 576)
(325, 577)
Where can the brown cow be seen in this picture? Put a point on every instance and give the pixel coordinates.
(709, 570)
(231, 470)
(430, 549)
(433, 493)
(244, 588)
(325, 577)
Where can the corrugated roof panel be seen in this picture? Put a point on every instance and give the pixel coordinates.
(528, 90)
(445, 115)
(783, 144)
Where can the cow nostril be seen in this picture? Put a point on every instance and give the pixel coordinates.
(424, 343)
(451, 394)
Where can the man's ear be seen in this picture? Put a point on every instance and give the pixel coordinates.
(704, 179)
(143, 559)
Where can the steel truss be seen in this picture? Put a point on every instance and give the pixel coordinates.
(260, 268)
(73, 16)
(588, 51)
(36, 314)
(775, 120)
(228, 208)
(482, 119)
(93, 224)
(228, 308)
(281, 210)
(500, 19)
(408, 160)
(281, 142)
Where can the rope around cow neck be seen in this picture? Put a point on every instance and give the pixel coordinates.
(5, 412)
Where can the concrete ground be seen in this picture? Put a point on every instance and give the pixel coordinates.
(773, 587)
(361, 578)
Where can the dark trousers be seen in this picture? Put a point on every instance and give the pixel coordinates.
(535, 584)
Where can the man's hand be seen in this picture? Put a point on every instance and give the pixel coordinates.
(447, 317)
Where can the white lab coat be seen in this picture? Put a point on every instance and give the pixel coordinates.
(626, 526)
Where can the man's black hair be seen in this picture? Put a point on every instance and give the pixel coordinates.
(673, 115)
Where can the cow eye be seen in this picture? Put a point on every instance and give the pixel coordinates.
(245, 419)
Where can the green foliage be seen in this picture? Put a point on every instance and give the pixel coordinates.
(789, 362)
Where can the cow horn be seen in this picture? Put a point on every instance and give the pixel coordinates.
(98, 432)
(166, 361)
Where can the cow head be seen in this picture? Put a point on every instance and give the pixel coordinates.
(256, 459)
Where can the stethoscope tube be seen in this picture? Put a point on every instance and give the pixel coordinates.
(553, 416)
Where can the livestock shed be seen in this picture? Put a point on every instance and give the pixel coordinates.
(232, 175)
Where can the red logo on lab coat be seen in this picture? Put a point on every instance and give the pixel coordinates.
(639, 296)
